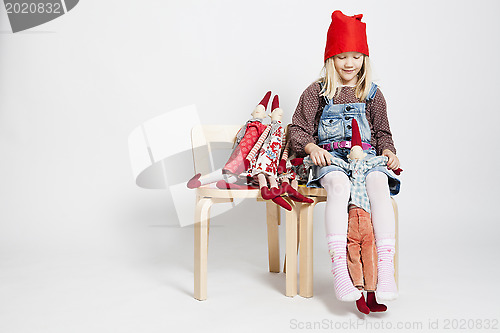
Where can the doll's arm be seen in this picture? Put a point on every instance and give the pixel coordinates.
(381, 160)
(241, 133)
(376, 161)
(307, 161)
(284, 156)
(340, 163)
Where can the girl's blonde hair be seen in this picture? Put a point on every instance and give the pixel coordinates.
(331, 79)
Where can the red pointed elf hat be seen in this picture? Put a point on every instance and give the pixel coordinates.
(346, 34)
(276, 102)
(265, 100)
(356, 135)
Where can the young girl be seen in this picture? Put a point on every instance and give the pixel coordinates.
(322, 128)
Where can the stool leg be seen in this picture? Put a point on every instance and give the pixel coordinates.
(296, 207)
(306, 250)
(201, 226)
(273, 243)
(291, 252)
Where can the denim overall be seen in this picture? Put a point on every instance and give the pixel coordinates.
(335, 125)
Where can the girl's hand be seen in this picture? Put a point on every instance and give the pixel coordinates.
(393, 162)
(319, 156)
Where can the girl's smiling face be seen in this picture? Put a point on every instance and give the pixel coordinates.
(348, 65)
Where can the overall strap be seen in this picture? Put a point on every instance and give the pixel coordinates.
(372, 92)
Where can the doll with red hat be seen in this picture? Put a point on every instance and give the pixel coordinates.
(322, 127)
(264, 160)
(256, 155)
(246, 138)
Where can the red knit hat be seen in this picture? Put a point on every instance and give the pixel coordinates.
(346, 34)
(356, 135)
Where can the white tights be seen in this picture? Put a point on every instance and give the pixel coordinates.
(338, 188)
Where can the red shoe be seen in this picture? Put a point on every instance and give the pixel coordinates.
(372, 304)
(282, 202)
(295, 195)
(194, 182)
(361, 305)
(398, 171)
(266, 194)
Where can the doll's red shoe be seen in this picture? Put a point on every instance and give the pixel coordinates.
(297, 161)
(282, 202)
(398, 171)
(194, 182)
(295, 195)
(372, 304)
(361, 305)
(266, 194)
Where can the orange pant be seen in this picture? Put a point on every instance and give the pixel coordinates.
(361, 250)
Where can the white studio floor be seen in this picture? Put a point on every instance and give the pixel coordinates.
(147, 287)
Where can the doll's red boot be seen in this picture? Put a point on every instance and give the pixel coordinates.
(398, 171)
(294, 195)
(274, 194)
(282, 202)
(361, 305)
(372, 304)
(194, 182)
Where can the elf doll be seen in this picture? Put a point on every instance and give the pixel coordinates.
(262, 161)
(245, 140)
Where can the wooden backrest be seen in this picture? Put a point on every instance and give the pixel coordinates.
(205, 139)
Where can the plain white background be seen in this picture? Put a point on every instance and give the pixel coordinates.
(83, 249)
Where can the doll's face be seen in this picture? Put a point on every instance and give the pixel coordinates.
(259, 112)
(277, 114)
(348, 65)
(357, 153)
